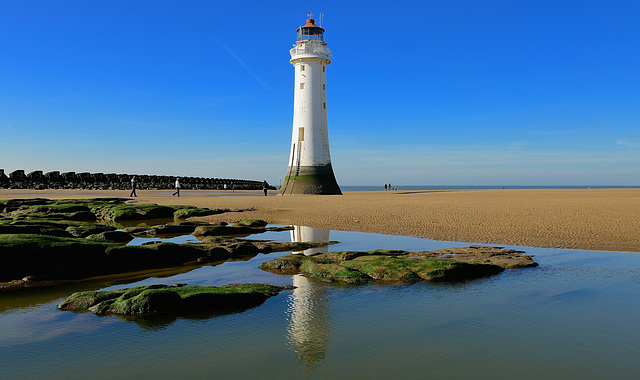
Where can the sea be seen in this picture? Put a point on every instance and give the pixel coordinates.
(469, 187)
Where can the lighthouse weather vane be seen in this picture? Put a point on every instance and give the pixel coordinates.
(310, 170)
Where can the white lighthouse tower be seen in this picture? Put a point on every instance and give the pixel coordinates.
(310, 170)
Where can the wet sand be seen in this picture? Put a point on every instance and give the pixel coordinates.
(595, 219)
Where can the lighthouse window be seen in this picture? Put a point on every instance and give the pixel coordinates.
(301, 67)
(324, 86)
(323, 68)
(302, 86)
(324, 105)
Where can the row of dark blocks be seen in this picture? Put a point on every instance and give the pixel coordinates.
(100, 181)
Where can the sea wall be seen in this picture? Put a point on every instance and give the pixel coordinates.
(112, 181)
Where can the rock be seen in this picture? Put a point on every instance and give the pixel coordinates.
(211, 230)
(178, 228)
(401, 266)
(84, 230)
(155, 299)
(50, 257)
(111, 236)
(120, 212)
(251, 223)
(189, 211)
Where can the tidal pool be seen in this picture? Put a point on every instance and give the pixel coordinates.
(574, 316)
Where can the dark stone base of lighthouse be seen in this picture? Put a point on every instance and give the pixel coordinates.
(318, 180)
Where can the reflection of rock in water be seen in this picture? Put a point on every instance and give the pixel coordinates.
(301, 234)
(308, 328)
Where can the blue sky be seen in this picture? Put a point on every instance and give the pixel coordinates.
(419, 93)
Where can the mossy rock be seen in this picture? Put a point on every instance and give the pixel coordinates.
(36, 227)
(108, 209)
(49, 257)
(84, 230)
(333, 272)
(182, 228)
(155, 299)
(224, 230)
(14, 204)
(120, 212)
(390, 266)
(76, 216)
(133, 257)
(111, 236)
(185, 212)
(84, 300)
(60, 207)
(404, 269)
(250, 223)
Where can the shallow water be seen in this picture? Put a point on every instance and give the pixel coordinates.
(574, 316)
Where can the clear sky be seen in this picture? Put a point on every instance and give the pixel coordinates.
(441, 92)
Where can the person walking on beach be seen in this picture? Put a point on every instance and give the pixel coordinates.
(134, 181)
(177, 187)
(265, 187)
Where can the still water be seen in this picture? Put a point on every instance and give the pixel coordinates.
(574, 316)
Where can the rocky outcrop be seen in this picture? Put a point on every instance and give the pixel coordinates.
(43, 243)
(453, 264)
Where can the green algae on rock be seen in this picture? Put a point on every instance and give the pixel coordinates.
(155, 299)
(174, 228)
(108, 209)
(251, 223)
(402, 266)
(243, 227)
(185, 212)
(111, 236)
(120, 212)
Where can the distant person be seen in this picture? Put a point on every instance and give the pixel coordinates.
(177, 187)
(265, 187)
(134, 181)
(385, 187)
(225, 187)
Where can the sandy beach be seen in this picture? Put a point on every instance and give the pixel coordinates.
(595, 219)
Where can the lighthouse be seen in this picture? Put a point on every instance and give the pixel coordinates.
(310, 170)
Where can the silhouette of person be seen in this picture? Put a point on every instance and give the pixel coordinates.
(177, 187)
(134, 181)
(265, 187)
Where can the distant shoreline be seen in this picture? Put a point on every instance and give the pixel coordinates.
(591, 219)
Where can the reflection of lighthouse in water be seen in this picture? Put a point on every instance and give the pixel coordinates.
(308, 312)
(308, 332)
(305, 234)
